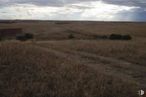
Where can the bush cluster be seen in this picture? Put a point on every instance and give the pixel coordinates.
(113, 37)
(120, 37)
(100, 36)
(24, 37)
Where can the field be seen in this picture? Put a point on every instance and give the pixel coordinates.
(53, 64)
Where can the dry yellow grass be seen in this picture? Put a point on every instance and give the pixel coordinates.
(27, 70)
(82, 30)
(55, 66)
(126, 57)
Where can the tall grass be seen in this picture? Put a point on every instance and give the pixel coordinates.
(28, 71)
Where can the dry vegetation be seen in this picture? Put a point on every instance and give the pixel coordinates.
(28, 71)
(81, 30)
(126, 57)
(54, 65)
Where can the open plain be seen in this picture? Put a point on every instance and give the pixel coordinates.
(73, 59)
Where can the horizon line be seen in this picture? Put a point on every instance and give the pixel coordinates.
(64, 20)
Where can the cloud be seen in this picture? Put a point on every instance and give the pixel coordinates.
(106, 10)
(55, 3)
(31, 2)
(95, 10)
(138, 3)
(132, 15)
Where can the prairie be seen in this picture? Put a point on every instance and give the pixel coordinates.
(54, 65)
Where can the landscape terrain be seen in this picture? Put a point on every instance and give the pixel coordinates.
(72, 59)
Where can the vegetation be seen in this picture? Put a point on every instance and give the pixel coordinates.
(100, 36)
(31, 71)
(28, 36)
(71, 36)
(79, 67)
(126, 37)
(120, 37)
(24, 37)
(115, 37)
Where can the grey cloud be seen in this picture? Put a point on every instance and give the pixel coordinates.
(57, 3)
(34, 2)
(80, 6)
(135, 15)
(136, 3)
(138, 14)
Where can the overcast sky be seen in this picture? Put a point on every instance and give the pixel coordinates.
(98, 10)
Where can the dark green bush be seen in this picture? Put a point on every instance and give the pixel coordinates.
(115, 37)
(100, 36)
(29, 36)
(126, 37)
(24, 37)
(21, 38)
(71, 36)
(120, 37)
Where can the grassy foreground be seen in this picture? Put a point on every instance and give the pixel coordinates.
(29, 71)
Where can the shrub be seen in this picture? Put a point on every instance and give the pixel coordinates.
(100, 36)
(115, 37)
(104, 37)
(126, 37)
(21, 38)
(29, 36)
(71, 36)
(24, 37)
(120, 37)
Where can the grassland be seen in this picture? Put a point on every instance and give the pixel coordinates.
(52, 65)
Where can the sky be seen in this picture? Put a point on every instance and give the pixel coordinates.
(94, 10)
